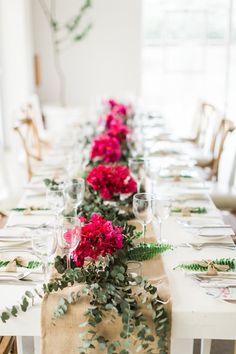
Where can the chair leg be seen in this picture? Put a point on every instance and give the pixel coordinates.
(14, 349)
(205, 346)
(235, 347)
(19, 344)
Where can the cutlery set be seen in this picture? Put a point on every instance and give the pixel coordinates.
(218, 281)
(31, 226)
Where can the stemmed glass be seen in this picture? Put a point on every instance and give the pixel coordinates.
(74, 193)
(55, 200)
(143, 210)
(68, 236)
(44, 243)
(137, 168)
(162, 208)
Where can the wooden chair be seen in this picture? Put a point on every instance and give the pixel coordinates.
(30, 140)
(223, 191)
(32, 109)
(226, 127)
(8, 345)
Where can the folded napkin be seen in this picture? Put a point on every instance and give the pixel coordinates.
(14, 233)
(7, 245)
(14, 262)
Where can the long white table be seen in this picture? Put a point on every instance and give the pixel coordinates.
(194, 314)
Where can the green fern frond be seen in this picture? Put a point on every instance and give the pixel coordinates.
(145, 251)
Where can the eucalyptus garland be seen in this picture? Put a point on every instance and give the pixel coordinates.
(107, 284)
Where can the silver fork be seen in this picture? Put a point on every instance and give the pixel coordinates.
(196, 226)
(30, 226)
(199, 246)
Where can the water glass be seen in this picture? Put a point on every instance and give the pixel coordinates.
(74, 194)
(162, 209)
(68, 236)
(143, 210)
(44, 243)
(134, 268)
(137, 167)
(55, 200)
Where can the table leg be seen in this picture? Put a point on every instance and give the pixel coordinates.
(36, 345)
(19, 345)
(205, 346)
(181, 346)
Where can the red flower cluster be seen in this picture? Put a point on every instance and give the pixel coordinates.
(118, 108)
(98, 238)
(111, 181)
(116, 128)
(107, 148)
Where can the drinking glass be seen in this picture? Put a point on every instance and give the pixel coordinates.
(143, 210)
(74, 194)
(134, 268)
(68, 236)
(162, 208)
(137, 168)
(74, 160)
(44, 243)
(55, 200)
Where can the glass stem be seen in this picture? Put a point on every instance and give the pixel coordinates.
(160, 231)
(139, 185)
(45, 271)
(144, 232)
(68, 263)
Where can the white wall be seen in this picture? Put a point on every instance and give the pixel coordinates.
(16, 57)
(108, 61)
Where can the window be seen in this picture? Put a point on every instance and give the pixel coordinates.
(185, 56)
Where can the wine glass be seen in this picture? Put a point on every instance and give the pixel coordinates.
(55, 200)
(74, 160)
(162, 208)
(68, 235)
(74, 194)
(143, 210)
(44, 244)
(137, 168)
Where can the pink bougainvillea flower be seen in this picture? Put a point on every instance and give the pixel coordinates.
(117, 129)
(111, 181)
(99, 237)
(106, 147)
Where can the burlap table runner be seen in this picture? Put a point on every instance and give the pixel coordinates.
(63, 336)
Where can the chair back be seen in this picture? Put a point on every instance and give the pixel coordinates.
(226, 173)
(28, 133)
(226, 127)
(206, 123)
